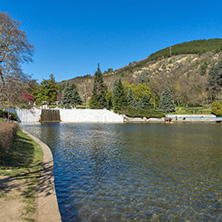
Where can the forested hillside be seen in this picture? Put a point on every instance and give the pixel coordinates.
(183, 67)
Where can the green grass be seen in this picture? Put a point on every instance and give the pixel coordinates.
(23, 162)
(193, 110)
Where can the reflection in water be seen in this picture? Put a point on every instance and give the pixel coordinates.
(136, 172)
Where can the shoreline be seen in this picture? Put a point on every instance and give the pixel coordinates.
(174, 118)
(47, 205)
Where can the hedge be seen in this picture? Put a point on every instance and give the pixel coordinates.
(216, 108)
(142, 113)
(8, 132)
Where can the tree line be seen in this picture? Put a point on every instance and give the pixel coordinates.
(17, 87)
(125, 96)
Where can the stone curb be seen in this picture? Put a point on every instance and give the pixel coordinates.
(47, 205)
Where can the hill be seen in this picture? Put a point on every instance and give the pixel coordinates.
(184, 67)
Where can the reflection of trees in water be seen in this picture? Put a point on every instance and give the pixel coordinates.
(50, 134)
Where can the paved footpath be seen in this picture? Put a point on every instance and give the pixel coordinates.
(47, 205)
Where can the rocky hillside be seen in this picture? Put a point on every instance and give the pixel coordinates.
(184, 67)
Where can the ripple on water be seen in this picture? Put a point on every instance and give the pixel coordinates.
(136, 172)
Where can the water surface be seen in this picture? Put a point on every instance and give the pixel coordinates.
(136, 172)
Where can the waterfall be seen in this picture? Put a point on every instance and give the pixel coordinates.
(50, 116)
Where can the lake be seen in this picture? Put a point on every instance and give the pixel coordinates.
(136, 171)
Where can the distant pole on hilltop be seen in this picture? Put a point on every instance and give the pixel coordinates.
(170, 51)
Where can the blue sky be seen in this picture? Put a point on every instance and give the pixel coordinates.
(71, 37)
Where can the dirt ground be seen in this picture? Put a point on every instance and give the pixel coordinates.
(13, 189)
(11, 201)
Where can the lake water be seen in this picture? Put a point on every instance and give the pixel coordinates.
(136, 172)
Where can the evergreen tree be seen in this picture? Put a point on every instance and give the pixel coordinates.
(215, 79)
(119, 98)
(109, 100)
(146, 101)
(47, 91)
(67, 95)
(70, 96)
(98, 98)
(131, 99)
(140, 104)
(166, 101)
(76, 99)
(115, 84)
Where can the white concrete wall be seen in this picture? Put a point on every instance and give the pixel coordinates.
(71, 115)
(27, 115)
(89, 115)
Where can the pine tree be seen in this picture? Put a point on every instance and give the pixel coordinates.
(67, 95)
(47, 91)
(131, 99)
(76, 99)
(98, 98)
(115, 84)
(166, 101)
(119, 98)
(109, 100)
(70, 96)
(146, 101)
(215, 79)
(140, 104)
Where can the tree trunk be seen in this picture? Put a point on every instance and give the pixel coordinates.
(8, 109)
(186, 107)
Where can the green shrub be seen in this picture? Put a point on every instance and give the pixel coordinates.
(4, 114)
(150, 113)
(217, 108)
(8, 132)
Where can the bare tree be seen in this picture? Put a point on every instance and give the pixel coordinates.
(13, 87)
(14, 46)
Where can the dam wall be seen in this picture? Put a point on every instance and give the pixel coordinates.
(71, 115)
(89, 115)
(27, 115)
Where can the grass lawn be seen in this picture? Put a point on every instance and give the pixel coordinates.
(193, 110)
(19, 175)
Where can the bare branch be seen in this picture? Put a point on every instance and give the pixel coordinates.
(14, 45)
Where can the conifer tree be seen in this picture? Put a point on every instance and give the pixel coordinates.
(70, 96)
(76, 99)
(47, 91)
(166, 101)
(119, 98)
(215, 79)
(109, 100)
(67, 95)
(131, 99)
(115, 84)
(146, 101)
(140, 104)
(98, 98)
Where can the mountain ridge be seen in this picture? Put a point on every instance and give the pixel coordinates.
(187, 62)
